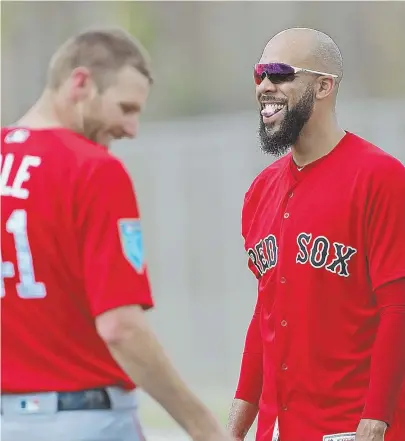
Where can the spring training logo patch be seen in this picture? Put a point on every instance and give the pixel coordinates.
(132, 243)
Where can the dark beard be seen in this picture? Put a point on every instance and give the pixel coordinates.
(278, 142)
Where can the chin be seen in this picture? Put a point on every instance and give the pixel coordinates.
(271, 129)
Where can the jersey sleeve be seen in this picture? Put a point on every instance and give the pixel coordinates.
(246, 225)
(385, 224)
(250, 382)
(114, 267)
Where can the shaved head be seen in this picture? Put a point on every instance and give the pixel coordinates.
(307, 48)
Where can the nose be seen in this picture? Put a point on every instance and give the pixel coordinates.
(266, 86)
(131, 127)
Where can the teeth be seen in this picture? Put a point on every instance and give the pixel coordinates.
(274, 107)
(271, 109)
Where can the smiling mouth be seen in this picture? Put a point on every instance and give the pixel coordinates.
(270, 109)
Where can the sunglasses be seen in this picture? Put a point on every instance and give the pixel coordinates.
(279, 73)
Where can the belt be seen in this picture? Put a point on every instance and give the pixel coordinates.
(111, 397)
(91, 399)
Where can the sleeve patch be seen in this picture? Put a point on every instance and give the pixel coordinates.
(131, 242)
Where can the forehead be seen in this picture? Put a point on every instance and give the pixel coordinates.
(290, 51)
(130, 85)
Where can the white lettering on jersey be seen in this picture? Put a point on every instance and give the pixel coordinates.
(28, 287)
(15, 189)
(319, 252)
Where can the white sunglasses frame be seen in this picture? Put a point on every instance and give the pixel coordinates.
(300, 69)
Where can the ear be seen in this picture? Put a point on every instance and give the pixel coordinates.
(81, 83)
(324, 87)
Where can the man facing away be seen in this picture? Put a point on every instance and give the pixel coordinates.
(75, 339)
(324, 230)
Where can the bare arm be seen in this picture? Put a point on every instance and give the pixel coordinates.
(117, 283)
(136, 349)
(241, 417)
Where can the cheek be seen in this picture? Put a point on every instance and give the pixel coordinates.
(292, 91)
(94, 110)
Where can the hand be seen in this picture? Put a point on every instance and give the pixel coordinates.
(371, 430)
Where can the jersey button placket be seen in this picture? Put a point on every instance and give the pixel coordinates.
(289, 195)
(282, 330)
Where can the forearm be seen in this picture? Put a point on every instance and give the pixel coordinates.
(388, 360)
(141, 356)
(241, 417)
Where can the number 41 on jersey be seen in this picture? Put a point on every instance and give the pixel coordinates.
(28, 287)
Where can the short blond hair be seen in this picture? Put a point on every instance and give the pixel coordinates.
(103, 52)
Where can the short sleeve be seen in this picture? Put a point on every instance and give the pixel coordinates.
(245, 228)
(112, 249)
(385, 224)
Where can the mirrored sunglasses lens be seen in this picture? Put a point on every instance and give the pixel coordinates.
(276, 72)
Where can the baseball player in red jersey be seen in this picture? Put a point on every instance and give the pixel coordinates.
(74, 283)
(324, 230)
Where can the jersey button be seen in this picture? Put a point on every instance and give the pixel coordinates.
(283, 280)
(283, 323)
(285, 408)
(284, 367)
(291, 194)
(286, 215)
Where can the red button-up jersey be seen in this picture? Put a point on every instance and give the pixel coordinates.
(71, 249)
(321, 240)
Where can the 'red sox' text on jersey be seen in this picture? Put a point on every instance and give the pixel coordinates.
(71, 249)
(320, 241)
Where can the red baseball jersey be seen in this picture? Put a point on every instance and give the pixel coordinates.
(71, 249)
(321, 241)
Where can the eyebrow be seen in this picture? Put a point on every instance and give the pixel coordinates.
(130, 106)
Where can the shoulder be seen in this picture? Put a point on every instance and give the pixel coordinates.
(89, 160)
(266, 177)
(378, 176)
(378, 166)
(54, 144)
(265, 183)
(372, 157)
(79, 162)
(78, 146)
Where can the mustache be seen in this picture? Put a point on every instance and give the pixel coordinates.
(267, 98)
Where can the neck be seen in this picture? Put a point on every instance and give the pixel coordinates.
(317, 139)
(46, 113)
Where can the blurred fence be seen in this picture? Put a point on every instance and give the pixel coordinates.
(191, 176)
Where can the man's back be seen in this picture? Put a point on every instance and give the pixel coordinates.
(52, 180)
